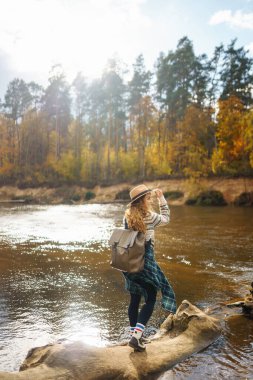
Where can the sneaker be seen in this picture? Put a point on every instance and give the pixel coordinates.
(137, 344)
(146, 340)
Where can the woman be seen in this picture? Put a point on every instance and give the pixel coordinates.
(140, 217)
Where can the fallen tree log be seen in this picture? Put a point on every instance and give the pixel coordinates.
(246, 304)
(190, 330)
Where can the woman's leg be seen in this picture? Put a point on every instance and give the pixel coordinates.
(136, 341)
(148, 307)
(133, 308)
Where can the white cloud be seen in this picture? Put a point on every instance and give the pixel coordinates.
(234, 19)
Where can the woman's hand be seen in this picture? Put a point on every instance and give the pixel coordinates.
(158, 193)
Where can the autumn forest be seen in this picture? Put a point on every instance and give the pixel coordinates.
(191, 116)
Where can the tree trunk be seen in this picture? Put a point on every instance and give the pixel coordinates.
(109, 147)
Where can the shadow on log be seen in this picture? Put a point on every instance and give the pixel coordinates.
(190, 330)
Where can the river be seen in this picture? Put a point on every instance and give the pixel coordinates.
(56, 282)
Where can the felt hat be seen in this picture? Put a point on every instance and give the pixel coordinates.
(138, 192)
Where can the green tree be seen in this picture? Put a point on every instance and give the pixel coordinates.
(17, 101)
(92, 153)
(37, 93)
(114, 103)
(141, 111)
(77, 128)
(200, 82)
(175, 80)
(139, 85)
(57, 107)
(214, 67)
(236, 74)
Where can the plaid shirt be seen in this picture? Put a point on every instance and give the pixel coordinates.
(152, 274)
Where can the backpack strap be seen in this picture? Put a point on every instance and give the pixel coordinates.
(125, 224)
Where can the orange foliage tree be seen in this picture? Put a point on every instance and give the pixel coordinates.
(231, 156)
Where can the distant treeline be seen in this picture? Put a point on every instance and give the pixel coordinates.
(191, 117)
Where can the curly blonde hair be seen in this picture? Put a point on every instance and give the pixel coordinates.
(135, 214)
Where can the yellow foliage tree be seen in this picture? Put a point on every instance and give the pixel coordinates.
(143, 123)
(249, 136)
(65, 167)
(129, 164)
(6, 152)
(189, 149)
(231, 155)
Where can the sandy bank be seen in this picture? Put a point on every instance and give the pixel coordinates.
(230, 188)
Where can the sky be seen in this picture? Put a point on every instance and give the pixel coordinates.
(82, 35)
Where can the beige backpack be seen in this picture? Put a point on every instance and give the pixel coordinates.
(127, 250)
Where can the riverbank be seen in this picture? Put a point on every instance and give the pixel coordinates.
(178, 191)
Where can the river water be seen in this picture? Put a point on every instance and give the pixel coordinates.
(56, 282)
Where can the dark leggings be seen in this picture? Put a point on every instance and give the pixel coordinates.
(146, 310)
